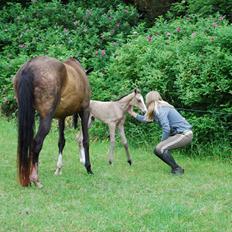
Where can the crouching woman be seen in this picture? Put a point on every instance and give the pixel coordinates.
(176, 131)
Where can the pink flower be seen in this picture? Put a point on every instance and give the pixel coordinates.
(178, 29)
(149, 38)
(65, 30)
(103, 52)
(214, 25)
(221, 18)
(96, 53)
(22, 45)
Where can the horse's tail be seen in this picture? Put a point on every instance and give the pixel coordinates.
(26, 115)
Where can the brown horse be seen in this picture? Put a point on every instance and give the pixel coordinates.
(54, 89)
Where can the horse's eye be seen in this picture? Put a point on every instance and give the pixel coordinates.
(139, 100)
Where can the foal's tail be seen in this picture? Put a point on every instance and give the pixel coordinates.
(26, 114)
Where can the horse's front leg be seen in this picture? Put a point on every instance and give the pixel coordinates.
(61, 145)
(112, 128)
(124, 142)
(84, 115)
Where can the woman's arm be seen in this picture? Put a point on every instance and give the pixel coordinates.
(139, 117)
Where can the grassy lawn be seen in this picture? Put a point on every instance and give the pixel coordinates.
(143, 197)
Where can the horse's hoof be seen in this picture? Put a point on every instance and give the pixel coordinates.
(37, 184)
(110, 162)
(89, 170)
(129, 162)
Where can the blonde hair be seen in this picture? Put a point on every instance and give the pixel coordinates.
(153, 100)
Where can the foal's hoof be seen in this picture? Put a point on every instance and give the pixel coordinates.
(58, 172)
(129, 162)
(110, 162)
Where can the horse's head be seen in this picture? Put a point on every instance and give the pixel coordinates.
(138, 101)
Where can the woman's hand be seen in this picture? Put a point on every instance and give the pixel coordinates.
(131, 112)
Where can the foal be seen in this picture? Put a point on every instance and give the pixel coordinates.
(113, 113)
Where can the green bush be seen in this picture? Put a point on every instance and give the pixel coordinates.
(189, 61)
(50, 28)
(202, 8)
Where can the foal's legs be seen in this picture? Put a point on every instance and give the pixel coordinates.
(112, 128)
(124, 142)
(61, 145)
(84, 115)
(44, 127)
(79, 139)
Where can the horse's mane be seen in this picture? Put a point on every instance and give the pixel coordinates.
(118, 99)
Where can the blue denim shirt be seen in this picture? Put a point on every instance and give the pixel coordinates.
(170, 121)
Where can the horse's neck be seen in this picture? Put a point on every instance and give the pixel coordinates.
(125, 102)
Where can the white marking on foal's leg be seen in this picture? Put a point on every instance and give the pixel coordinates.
(59, 165)
(82, 155)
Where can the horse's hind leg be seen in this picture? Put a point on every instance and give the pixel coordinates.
(84, 115)
(112, 128)
(124, 142)
(44, 127)
(61, 145)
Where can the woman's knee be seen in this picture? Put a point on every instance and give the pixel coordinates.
(157, 150)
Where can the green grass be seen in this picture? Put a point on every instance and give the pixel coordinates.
(143, 197)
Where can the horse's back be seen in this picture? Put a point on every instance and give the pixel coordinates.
(106, 111)
(47, 75)
(75, 93)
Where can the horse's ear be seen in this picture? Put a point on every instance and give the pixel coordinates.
(89, 70)
(136, 91)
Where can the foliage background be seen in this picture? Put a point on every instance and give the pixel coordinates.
(185, 54)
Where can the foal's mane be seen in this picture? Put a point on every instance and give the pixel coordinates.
(137, 91)
(122, 97)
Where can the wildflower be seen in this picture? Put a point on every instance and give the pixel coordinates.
(96, 53)
(214, 25)
(118, 25)
(22, 45)
(168, 33)
(178, 29)
(221, 18)
(103, 52)
(65, 30)
(149, 38)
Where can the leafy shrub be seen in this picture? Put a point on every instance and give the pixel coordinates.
(50, 28)
(189, 61)
(202, 8)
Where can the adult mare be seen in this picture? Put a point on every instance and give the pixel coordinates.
(54, 89)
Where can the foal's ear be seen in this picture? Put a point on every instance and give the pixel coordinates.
(136, 91)
(89, 70)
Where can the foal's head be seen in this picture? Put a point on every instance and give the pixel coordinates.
(138, 101)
